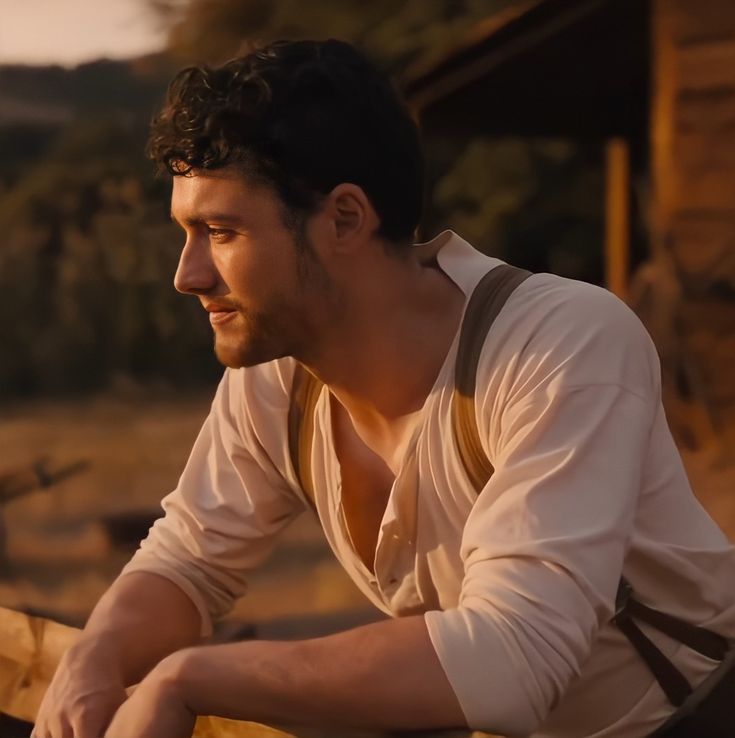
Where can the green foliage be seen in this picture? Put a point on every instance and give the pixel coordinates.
(535, 203)
(392, 33)
(20, 144)
(101, 87)
(85, 272)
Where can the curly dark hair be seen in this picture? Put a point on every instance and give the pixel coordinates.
(300, 117)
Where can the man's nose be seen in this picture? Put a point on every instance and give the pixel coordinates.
(196, 272)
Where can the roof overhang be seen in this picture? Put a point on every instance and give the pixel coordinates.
(572, 68)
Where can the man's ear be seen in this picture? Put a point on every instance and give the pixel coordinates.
(354, 217)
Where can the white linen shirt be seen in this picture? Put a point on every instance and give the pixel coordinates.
(517, 585)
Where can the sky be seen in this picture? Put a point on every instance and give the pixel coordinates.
(69, 32)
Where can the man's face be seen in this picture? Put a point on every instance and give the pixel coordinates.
(250, 272)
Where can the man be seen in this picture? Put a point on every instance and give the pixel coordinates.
(297, 179)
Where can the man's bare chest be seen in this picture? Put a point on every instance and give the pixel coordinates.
(366, 483)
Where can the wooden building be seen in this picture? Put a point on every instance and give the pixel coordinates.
(653, 81)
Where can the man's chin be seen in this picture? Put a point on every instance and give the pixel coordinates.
(237, 357)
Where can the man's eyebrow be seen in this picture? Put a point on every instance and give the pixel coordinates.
(208, 217)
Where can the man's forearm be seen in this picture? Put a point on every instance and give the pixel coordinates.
(140, 620)
(384, 676)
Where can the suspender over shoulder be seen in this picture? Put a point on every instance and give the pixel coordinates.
(305, 392)
(485, 304)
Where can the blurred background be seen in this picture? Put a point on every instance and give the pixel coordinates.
(594, 139)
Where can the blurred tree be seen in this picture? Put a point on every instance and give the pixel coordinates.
(536, 203)
(85, 271)
(392, 33)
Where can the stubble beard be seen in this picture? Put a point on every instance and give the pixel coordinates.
(280, 331)
(255, 341)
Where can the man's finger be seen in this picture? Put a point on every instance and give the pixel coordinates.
(92, 726)
(57, 727)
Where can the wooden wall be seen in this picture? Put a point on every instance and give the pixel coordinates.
(693, 149)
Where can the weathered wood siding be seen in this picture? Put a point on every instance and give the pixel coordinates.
(693, 138)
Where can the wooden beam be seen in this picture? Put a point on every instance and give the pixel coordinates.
(30, 651)
(617, 216)
(665, 178)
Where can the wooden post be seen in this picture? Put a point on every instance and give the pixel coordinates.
(617, 216)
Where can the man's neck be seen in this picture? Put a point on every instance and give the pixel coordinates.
(382, 357)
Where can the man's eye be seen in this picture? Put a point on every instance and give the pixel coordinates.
(219, 234)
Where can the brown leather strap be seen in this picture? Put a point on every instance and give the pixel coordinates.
(699, 639)
(305, 392)
(672, 681)
(485, 304)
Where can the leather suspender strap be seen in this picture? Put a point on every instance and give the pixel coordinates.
(704, 641)
(485, 304)
(305, 392)
(672, 681)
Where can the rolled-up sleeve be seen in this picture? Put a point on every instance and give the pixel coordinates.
(221, 520)
(544, 544)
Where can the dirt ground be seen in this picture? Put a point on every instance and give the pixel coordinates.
(59, 556)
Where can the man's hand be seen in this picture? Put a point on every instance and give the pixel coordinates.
(140, 620)
(81, 699)
(156, 709)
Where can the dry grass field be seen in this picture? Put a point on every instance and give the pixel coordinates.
(58, 555)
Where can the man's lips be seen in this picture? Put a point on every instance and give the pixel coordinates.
(219, 314)
(217, 317)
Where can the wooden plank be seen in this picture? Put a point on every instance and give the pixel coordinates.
(706, 65)
(30, 650)
(705, 111)
(705, 188)
(617, 216)
(663, 84)
(703, 245)
(700, 154)
(696, 21)
(34, 642)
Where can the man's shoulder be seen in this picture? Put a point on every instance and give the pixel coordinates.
(576, 331)
(550, 308)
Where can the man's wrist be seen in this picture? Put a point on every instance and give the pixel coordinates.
(211, 679)
(184, 672)
(95, 650)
